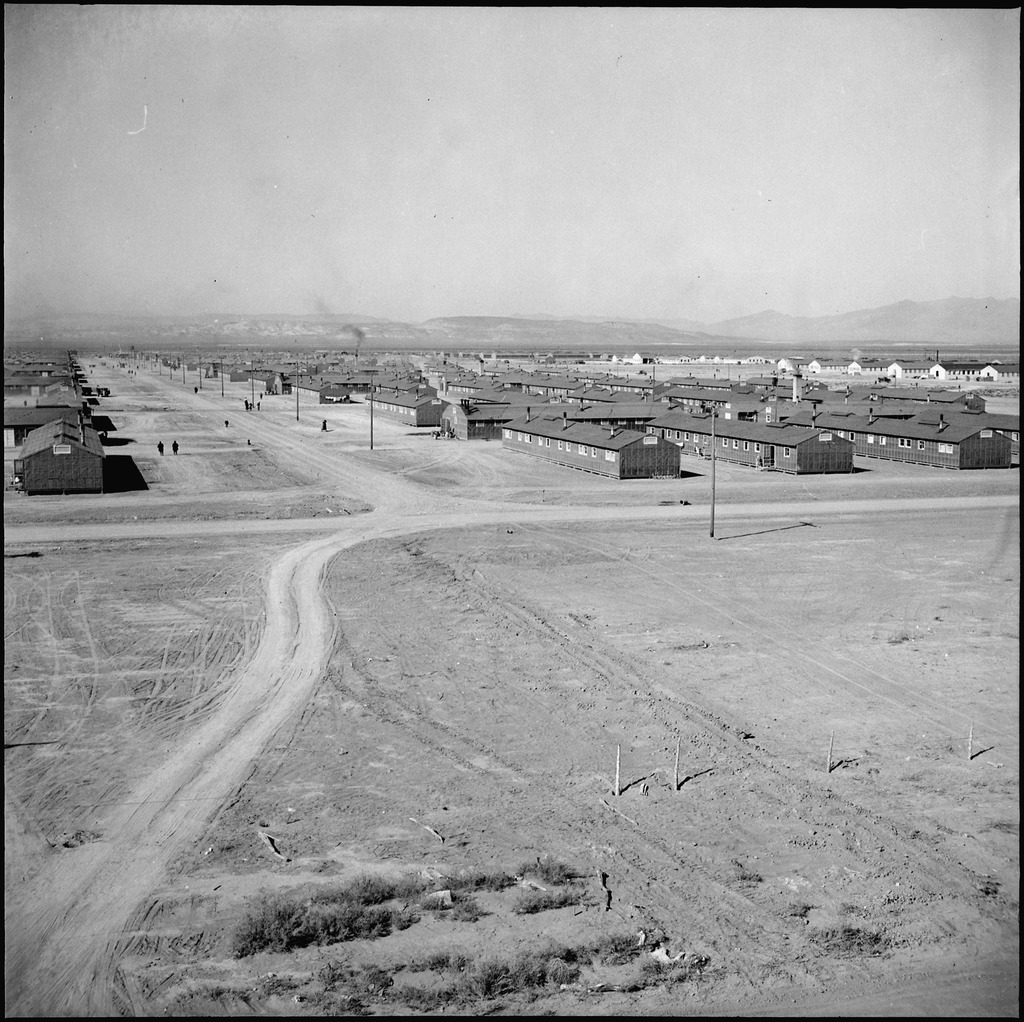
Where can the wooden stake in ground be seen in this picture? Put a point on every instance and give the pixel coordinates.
(831, 742)
(675, 773)
(618, 750)
(970, 744)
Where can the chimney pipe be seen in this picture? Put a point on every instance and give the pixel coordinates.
(871, 414)
(527, 413)
(565, 420)
(942, 422)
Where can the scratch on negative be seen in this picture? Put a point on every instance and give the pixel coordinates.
(145, 115)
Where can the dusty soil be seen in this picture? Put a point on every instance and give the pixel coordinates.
(286, 666)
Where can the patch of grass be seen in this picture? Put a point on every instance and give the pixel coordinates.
(480, 880)
(268, 926)
(403, 918)
(898, 637)
(800, 909)
(561, 973)
(372, 980)
(272, 985)
(850, 941)
(278, 923)
(371, 890)
(332, 975)
(440, 961)
(546, 965)
(653, 971)
(748, 876)
(332, 923)
(428, 1001)
(530, 902)
(548, 871)
(467, 910)
(616, 948)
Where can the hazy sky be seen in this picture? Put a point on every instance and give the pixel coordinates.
(412, 163)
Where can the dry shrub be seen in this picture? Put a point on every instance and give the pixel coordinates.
(440, 961)
(430, 1001)
(653, 971)
(530, 902)
(371, 890)
(403, 918)
(269, 926)
(480, 880)
(467, 910)
(561, 973)
(850, 941)
(616, 948)
(281, 924)
(549, 871)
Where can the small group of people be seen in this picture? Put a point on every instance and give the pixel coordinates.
(160, 447)
(250, 405)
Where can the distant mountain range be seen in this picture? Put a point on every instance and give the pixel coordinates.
(949, 323)
(959, 320)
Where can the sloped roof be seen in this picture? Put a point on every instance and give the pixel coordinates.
(554, 426)
(953, 428)
(38, 415)
(737, 429)
(639, 410)
(61, 432)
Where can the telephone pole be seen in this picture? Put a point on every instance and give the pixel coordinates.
(713, 455)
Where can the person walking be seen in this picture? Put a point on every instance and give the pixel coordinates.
(174, 447)
(225, 423)
(160, 448)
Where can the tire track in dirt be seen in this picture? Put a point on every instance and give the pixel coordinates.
(610, 668)
(766, 629)
(650, 872)
(67, 923)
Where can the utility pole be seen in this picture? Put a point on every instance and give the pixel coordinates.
(296, 386)
(252, 382)
(220, 373)
(183, 361)
(200, 370)
(713, 455)
(371, 415)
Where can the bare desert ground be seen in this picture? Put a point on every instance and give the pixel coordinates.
(305, 728)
